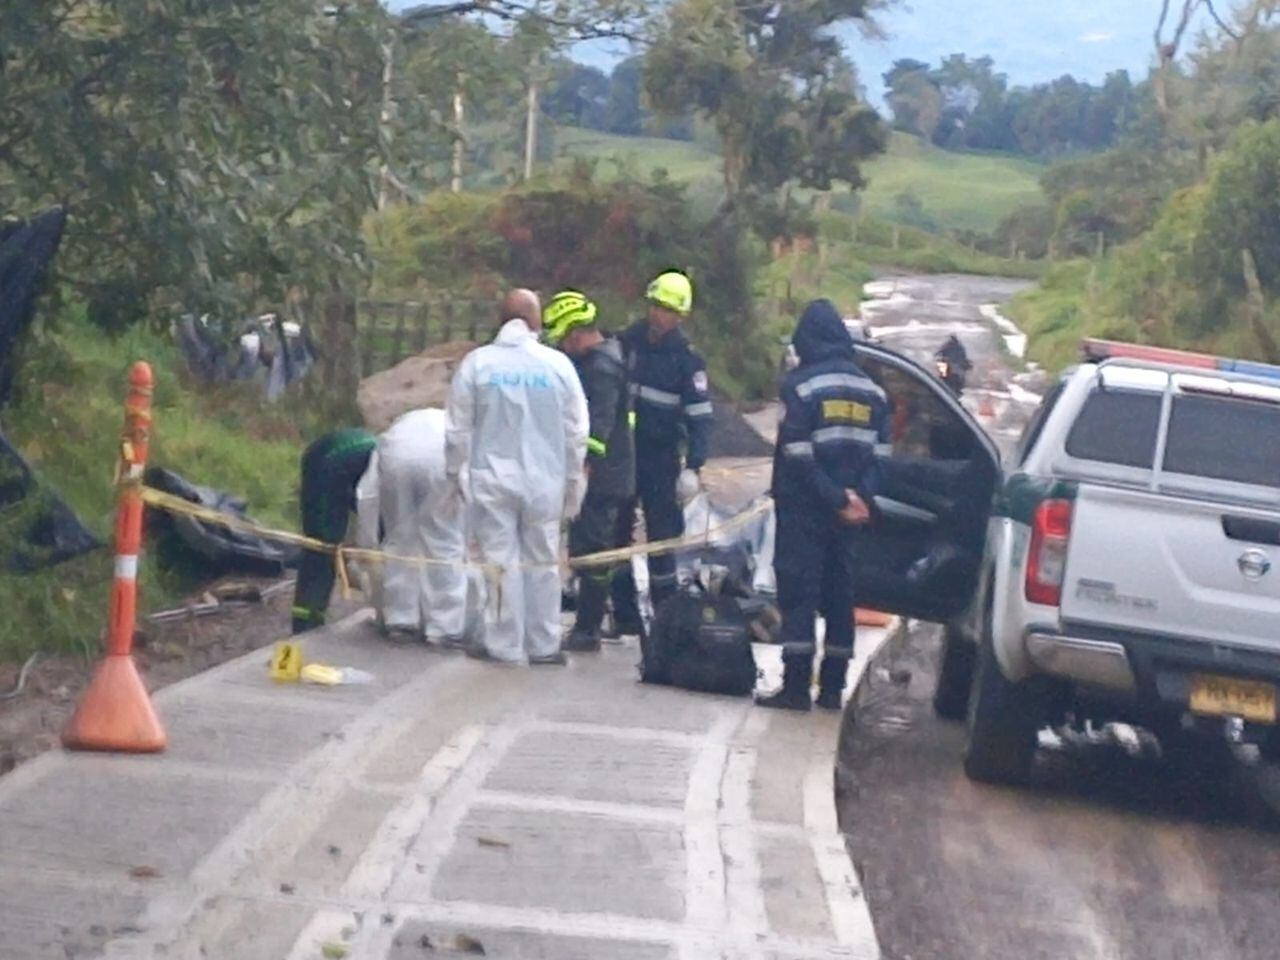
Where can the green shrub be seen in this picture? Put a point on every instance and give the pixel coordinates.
(606, 237)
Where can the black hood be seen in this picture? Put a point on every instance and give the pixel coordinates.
(821, 334)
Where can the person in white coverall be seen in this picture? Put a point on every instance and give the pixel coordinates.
(405, 505)
(515, 450)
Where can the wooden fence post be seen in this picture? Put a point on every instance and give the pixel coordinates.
(397, 343)
(424, 318)
(367, 328)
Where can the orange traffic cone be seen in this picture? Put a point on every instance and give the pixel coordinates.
(115, 712)
(986, 406)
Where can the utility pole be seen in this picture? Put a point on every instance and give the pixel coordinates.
(459, 145)
(531, 127)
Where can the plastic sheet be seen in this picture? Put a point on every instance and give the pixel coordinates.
(47, 530)
(26, 250)
(208, 545)
(276, 352)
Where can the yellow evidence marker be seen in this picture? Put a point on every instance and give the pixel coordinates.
(286, 663)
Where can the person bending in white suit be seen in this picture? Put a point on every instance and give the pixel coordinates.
(405, 506)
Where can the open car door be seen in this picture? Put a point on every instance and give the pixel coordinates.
(921, 558)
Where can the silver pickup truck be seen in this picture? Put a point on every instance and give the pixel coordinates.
(1128, 564)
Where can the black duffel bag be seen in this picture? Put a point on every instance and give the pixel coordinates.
(700, 642)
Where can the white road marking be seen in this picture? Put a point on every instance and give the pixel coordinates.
(374, 874)
(749, 918)
(705, 898)
(298, 805)
(1014, 338)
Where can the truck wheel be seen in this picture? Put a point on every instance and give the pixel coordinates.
(955, 674)
(1004, 722)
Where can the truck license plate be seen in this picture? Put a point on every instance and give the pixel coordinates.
(1229, 697)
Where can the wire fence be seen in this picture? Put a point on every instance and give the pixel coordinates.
(390, 331)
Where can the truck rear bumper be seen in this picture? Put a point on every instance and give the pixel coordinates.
(1154, 672)
(1096, 663)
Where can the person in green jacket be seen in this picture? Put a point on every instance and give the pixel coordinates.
(331, 469)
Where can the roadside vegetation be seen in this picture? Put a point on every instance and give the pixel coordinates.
(66, 419)
(1173, 237)
(299, 158)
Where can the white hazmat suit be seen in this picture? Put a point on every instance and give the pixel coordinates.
(516, 448)
(407, 506)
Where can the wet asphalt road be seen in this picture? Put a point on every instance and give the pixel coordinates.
(1104, 856)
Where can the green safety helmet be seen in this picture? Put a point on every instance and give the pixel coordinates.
(673, 291)
(565, 312)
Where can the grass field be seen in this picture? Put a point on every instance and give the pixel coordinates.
(68, 423)
(959, 191)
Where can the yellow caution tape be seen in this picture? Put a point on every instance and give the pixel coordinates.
(342, 554)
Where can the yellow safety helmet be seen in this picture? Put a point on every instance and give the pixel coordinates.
(564, 312)
(673, 291)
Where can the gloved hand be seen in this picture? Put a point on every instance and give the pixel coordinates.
(688, 486)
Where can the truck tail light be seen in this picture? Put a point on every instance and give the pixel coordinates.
(1047, 557)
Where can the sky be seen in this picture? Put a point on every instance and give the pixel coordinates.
(1030, 40)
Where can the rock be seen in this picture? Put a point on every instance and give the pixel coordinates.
(420, 382)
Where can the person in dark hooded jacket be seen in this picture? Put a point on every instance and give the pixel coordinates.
(953, 364)
(826, 473)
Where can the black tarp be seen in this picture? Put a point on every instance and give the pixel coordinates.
(47, 530)
(26, 250)
(207, 548)
(40, 529)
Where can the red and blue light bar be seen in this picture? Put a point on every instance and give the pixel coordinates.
(1095, 351)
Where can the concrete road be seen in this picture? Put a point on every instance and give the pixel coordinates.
(1104, 858)
(556, 814)
(450, 808)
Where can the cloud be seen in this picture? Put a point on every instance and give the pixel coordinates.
(1097, 36)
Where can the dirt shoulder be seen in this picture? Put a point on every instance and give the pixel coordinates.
(166, 653)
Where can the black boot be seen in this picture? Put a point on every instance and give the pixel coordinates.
(579, 641)
(797, 673)
(831, 679)
(593, 595)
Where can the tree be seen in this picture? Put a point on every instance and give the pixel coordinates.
(1119, 192)
(573, 20)
(577, 95)
(443, 60)
(1242, 213)
(1176, 18)
(191, 149)
(964, 104)
(624, 112)
(776, 85)
(914, 98)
